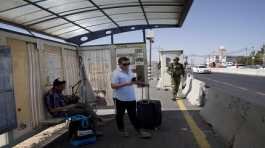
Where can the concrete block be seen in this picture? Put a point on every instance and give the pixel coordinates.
(222, 112)
(159, 84)
(245, 71)
(195, 95)
(240, 123)
(187, 88)
(252, 132)
(3, 139)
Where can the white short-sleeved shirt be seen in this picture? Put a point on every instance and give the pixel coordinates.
(125, 93)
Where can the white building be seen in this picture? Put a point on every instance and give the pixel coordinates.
(212, 59)
(221, 61)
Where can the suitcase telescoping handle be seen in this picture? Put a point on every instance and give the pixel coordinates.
(148, 92)
(142, 97)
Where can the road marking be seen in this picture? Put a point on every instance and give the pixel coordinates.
(229, 84)
(260, 93)
(243, 88)
(232, 85)
(196, 131)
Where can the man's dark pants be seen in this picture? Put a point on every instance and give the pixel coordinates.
(176, 83)
(130, 106)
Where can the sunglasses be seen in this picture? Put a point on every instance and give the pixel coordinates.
(125, 64)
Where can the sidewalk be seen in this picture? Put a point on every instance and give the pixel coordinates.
(174, 132)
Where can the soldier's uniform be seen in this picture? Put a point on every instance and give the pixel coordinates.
(176, 70)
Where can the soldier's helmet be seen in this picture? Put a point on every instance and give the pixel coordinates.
(176, 59)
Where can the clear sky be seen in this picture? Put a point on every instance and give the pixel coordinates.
(234, 24)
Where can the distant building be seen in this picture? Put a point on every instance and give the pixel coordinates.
(212, 59)
(218, 61)
(229, 60)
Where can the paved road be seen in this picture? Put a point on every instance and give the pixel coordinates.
(251, 88)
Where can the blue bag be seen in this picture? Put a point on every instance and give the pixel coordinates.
(81, 130)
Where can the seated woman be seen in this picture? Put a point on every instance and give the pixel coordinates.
(59, 105)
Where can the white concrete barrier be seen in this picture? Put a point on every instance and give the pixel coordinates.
(252, 132)
(3, 139)
(195, 92)
(159, 84)
(222, 112)
(240, 123)
(243, 71)
(187, 88)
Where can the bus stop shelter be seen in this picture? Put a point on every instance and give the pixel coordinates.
(75, 22)
(80, 21)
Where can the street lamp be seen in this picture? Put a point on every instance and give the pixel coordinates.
(150, 36)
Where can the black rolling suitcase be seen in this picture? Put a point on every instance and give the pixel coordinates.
(149, 113)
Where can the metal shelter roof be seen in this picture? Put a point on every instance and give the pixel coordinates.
(79, 21)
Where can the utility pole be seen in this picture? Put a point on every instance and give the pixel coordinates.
(191, 61)
(185, 61)
(246, 56)
(253, 56)
(263, 53)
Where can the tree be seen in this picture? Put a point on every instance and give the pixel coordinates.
(259, 58)
(241, 60)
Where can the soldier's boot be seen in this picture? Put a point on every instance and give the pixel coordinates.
(174, 98)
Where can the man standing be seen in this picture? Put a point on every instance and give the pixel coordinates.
(176, 70)
(122, 85)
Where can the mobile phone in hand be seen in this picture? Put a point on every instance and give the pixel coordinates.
(133, 79)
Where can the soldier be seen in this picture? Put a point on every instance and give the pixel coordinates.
(176, 70)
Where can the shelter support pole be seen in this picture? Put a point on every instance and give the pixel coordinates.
(112, 38)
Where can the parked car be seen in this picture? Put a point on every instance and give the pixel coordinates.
(238, 66)
(201, 69)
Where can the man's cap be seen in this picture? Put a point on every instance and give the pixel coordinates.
(57, 82)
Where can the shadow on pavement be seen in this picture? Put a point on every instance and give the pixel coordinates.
(173, 133)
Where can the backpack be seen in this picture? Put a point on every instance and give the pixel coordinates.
(81, 130)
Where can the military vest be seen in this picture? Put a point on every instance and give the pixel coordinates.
(177, 69)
